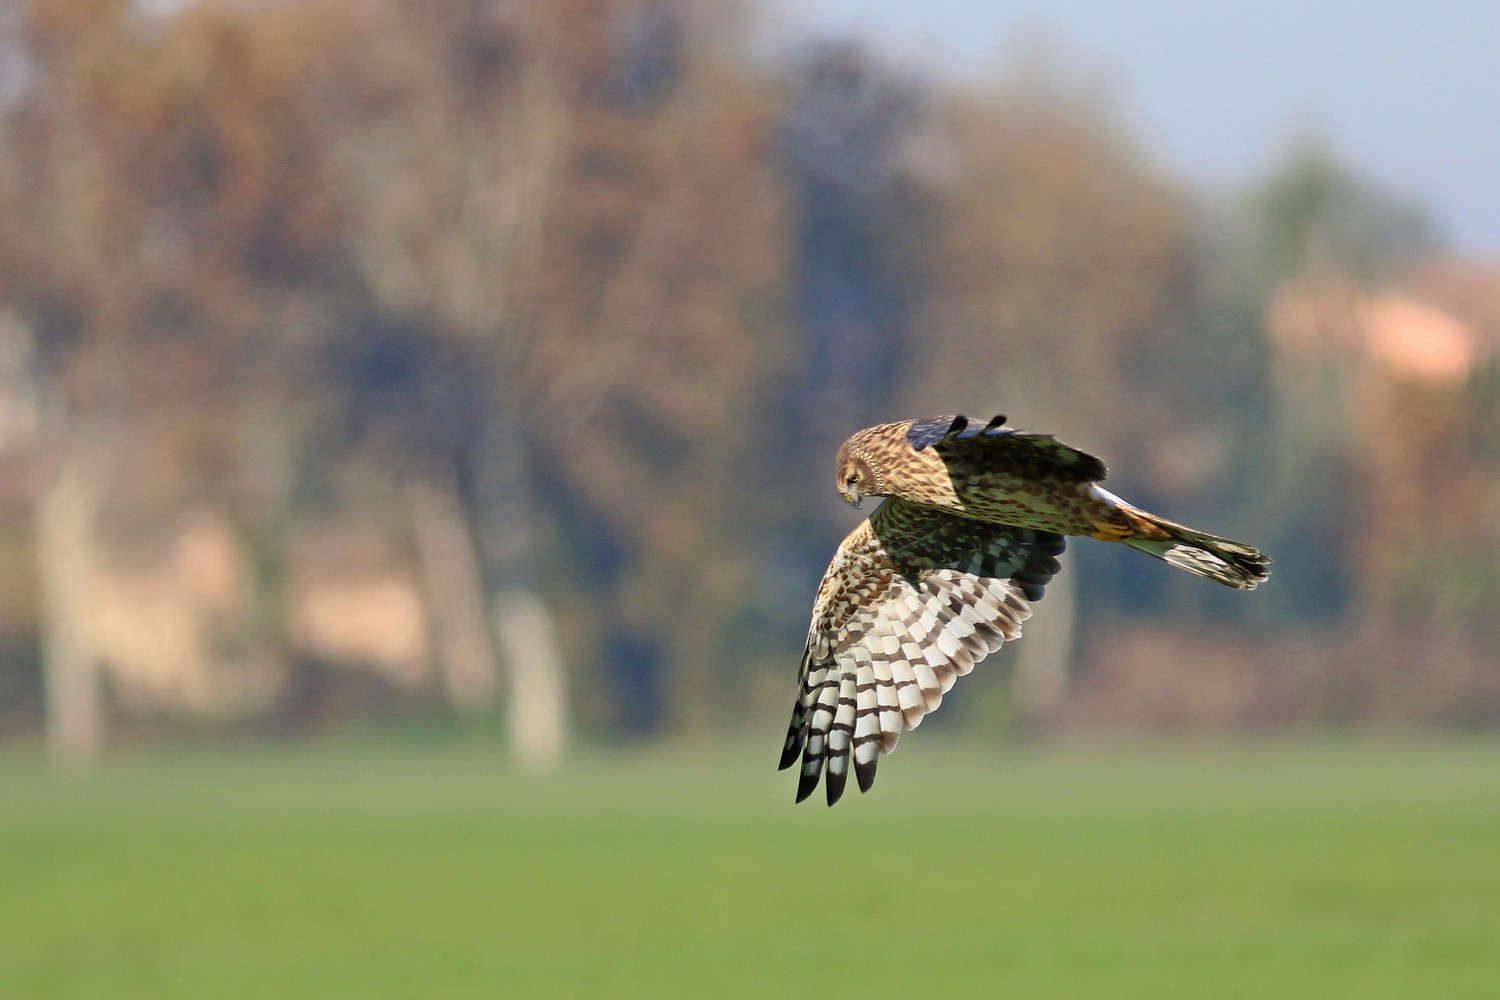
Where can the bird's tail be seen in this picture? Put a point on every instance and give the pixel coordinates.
(1231, 563)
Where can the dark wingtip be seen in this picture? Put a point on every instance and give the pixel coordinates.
(835, 785)
(796, 736)
(806, 786)
(997, 421)
(865, 775)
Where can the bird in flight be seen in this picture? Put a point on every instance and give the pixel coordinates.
(946, 569)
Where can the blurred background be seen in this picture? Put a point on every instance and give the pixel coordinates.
(477, 366)
(366, 362)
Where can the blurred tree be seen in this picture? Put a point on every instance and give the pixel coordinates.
(1058, 256)
(1314, 218)
(1423, 428)
(81, 281)
(414, 405)
(847, 140)
(849, 132)
(1313, 232)
(160, 187)
(538, 287)
(1053, 272)
(659, 330)
(604, 254)
(450, 127)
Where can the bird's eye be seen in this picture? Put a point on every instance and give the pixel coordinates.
(853, 478)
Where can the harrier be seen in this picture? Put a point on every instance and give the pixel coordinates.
(946, 569)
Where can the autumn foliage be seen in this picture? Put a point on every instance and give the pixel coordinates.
(366, 358)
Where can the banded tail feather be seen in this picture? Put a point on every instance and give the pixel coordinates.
(1222, 560)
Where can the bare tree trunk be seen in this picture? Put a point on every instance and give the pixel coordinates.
(451, 219)
(537, 715)
(1045, 651)
(524, 627)
(66, 511)
(455, 591)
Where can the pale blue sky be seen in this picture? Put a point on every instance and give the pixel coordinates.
(1407, 91)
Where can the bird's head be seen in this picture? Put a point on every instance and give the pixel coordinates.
(857, 475)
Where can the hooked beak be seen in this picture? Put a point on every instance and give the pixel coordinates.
(851, 499)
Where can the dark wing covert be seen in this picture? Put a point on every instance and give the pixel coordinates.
(962, 437)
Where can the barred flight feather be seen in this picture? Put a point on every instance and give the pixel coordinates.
(911, 602)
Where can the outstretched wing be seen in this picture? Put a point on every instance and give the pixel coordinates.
(913, 599)
(985, 444)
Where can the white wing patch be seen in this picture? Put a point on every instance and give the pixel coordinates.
(913, 599)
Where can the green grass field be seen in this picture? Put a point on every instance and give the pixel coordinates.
(1349, 869)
